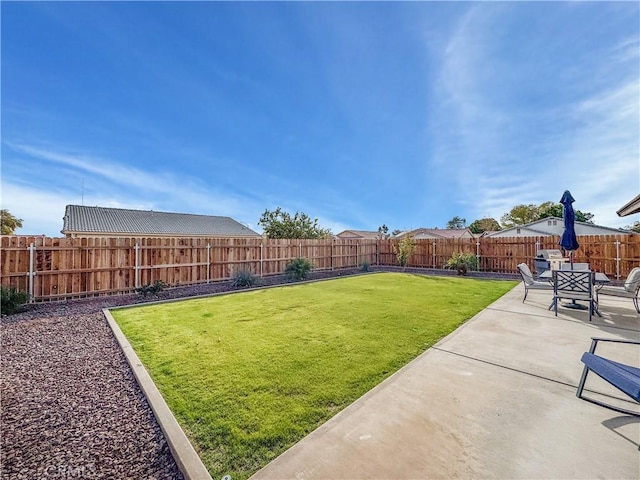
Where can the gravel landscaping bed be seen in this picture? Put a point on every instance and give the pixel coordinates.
(70, 405)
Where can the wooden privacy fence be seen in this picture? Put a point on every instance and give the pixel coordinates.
(58, 268)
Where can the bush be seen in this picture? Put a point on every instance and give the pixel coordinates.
(244, 279)
(298, 269)
(11, 300)
(404, 249)
(152, 288)
(463, 262)
(365, 266)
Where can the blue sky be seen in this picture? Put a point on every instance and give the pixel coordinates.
(359, 114)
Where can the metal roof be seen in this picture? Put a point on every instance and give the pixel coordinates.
(101, 220)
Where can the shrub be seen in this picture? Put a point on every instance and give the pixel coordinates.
(244, 279)
(365, 266)
(463, 262)
(299, 268)
(404, 249)
(152, 288)
(11, 300)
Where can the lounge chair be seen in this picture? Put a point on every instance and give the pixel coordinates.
(624, 377)
(529, 282)
(574, 285)
(629, 290)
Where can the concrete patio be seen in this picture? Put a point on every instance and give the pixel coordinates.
(495, 399)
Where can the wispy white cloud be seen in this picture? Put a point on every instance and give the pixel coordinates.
(111, 183)
(591, 144)
(602, 162)
(41, 211)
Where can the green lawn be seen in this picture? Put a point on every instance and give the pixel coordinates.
(249, 374)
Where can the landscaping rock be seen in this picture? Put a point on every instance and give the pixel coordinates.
(71, 407)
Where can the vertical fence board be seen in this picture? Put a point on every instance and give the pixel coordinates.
(71, 267)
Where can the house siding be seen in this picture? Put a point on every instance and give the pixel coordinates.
(554, 226)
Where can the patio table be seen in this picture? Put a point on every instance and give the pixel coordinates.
(600, 279)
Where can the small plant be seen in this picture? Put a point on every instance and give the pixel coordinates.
(463, 262)
(365, 266)
(404, 249)
(151, 289)
(11, 300)
(298, 268)
(244, 279)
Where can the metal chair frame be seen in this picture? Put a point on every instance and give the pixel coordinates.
(574, 285)
(529, 282)
(631, 288)
(583, 378)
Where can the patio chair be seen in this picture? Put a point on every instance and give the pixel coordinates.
(629, 290)
(529, 282)
(574, 285)
(624, 377)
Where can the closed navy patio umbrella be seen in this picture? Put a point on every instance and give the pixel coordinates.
(568, 240)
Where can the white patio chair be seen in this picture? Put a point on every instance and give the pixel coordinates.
(629, 290)
(530, 282)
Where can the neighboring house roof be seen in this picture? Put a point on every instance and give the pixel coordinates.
(81, 220)
(364, 234)
(554, 226)
(630, 208)
(419, 233)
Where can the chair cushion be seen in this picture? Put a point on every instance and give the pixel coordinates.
(526, 274)
(624, 377)
(615, 291)
(631, 285)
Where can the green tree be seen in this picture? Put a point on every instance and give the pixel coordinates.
(396, 232)
(457, 222)
(635, 227)
(553, 209)
(8, 223)
(519, 215)
(484, 225)
(550, 209)
(383, 231)
(280, 224)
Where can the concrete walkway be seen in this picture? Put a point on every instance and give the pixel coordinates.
(495, 399)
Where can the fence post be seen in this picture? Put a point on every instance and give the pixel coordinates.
(208, 262)
(333, 242)
(136, 267)
(478, 253)
(433, 261)
(32, 273)
(261, 257)
(299, 249)
(617, 259)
